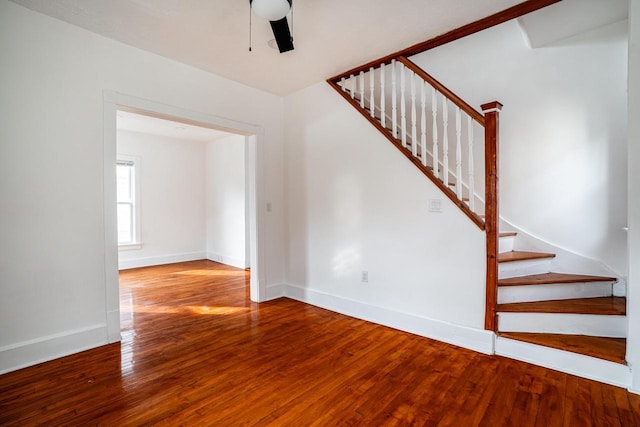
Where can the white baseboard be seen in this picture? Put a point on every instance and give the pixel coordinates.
(564, 361)
(275, 291)
(471, 338)
(113, 326)
(32, 352)
(160, 260)
(227, 260)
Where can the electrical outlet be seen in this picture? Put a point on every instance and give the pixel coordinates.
(365, 276)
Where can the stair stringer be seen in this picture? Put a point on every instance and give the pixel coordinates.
(565, 261)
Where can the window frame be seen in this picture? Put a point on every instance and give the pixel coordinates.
(134, 162)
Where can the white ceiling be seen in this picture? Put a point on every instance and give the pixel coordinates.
(162, 127)
(569, 18)
(330, 36)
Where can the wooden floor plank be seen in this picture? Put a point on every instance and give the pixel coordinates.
(197, 351)
(551, 400)
(578, 409)
(625, 412)
(634, 404)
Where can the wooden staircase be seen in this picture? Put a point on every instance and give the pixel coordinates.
(570, 312)
(528, 304)
(526, 300)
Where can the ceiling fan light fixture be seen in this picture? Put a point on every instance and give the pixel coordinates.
(272, 10)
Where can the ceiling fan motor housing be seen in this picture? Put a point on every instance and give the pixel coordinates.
(276, 12)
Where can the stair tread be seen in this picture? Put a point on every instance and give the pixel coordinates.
(522, 256)
(599, 305)
(611, 349)
(552, 278)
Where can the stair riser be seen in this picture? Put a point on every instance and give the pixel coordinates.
(529, 293)
(576, 364)
(523, 268)
(560, 323)
(619, 289)
(505, 244)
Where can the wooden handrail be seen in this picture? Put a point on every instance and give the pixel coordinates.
(489, 120)
(458, 33)
(491, 158)
(447, 191)
(475, 115)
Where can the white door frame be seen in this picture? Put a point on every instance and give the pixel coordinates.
(254, 190)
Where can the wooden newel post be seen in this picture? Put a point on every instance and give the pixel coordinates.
(491, 148)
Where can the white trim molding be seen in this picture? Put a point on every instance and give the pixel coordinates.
(227, 260)
(43, 349)
(462, 336)
(276, 291)
(564, 361)
(161, 259)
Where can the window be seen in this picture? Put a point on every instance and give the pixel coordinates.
(127, 196)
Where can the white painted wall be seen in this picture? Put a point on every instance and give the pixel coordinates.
(52, 241)
(355, 203)
(563, 131)
(172, 199)
(633, 340)
(225, 201)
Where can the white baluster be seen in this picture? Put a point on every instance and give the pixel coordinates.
(394, 102)
(434, 149)
(403, 107)
(458, 154)
(353, 85)
(445, 141)
(471, 166)
(361, 81)
(372, 100)
(414, 131)
(342, 85)
(423, 121)
(383, 114)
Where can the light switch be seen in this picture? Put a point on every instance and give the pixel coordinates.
(435, 205)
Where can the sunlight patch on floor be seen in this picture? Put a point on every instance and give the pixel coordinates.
(238, 273)
(190, 309)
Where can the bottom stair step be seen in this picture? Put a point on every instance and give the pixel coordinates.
(611, 349)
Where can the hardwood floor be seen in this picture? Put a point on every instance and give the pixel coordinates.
(196, 351)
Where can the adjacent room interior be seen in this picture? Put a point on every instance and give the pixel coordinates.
(181, 193)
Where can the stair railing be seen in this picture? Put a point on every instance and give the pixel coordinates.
(453, 144)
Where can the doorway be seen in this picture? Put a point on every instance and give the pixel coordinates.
(114, 102)
(181, 193)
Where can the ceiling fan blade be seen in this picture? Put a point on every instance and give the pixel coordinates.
(282, 34)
